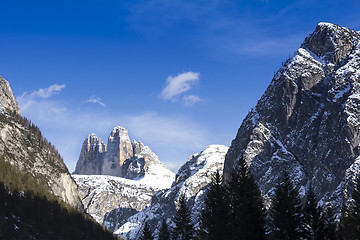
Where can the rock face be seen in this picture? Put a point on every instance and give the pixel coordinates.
(22, 144)
(120, 157)
(308, 121)
(190, 181)
(137, 174)
(7, 99)
(111, 200)
(91, 155)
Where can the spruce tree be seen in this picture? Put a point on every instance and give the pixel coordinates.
(313, 218)
(183, 229)
(146, 233)
(350, 222)
(214, 216)
(331, 230)
(247, 214)
(286, 214)
(164, 233)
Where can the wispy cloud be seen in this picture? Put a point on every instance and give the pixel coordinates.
(182, 83)
(48, 92)
(96, 100)
(25, 100)
(190, 100)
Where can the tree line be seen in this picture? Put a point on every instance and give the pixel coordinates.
(236, 211)
(29, 211)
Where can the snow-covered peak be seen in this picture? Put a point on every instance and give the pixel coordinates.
(192, 178)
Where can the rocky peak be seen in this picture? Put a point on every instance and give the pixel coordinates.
(92, 152)
(7, 99)
(119, 149)
(307, 122)
(331, 42)
(121, 157)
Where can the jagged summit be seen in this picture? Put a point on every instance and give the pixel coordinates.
(120, 178)
(308, 120)
(120, 157)
(331, 42)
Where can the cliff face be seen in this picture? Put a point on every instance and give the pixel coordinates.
(118, 180)
(308, 120)
(22, 145)
(191, 180)
(91, 155)
(121, 157)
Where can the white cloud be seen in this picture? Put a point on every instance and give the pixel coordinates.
(96, 100)
(180, 84)
(48, 92)
(173, 138)
(190, 100)
(25, 100)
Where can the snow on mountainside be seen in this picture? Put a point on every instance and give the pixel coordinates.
(308, 120)
(190, 181)
(110, 200)
(137, 175)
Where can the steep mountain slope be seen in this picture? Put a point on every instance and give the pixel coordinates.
(190, 181)
(29, 211)
(22, 145)
(137, 175)
(308, 121)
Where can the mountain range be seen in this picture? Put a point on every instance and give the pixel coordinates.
(305, 125)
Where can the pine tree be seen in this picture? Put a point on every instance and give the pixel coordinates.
(183, 229)
(214, 216)
(247, 214)
(286, 219)
(146, 233)
(313, 218)
(331, 231)
(164, 233)
(350, 222)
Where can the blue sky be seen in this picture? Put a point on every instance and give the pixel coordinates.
(180, 75)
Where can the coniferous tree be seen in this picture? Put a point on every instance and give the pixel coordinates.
(331, 231)
(313, 227)
(146, 233)
(214, 216)
(286, 217)
(350, 220)
(164, 233)
(184, 229)
(247, 214)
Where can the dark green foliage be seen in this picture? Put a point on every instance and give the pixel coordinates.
(350, 219)
(214, 216)
(286, 219)
(146, 233)
(247, 214)
(330, 225)
(314, 223)
(164, 233)
(28, 211)
(183, 230)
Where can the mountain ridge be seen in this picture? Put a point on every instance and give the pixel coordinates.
(306, 122)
